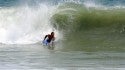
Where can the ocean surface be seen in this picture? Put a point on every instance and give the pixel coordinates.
(90, 34)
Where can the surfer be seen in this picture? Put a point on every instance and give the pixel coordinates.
(49, 39)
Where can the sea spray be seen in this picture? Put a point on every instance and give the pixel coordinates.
(24, 25)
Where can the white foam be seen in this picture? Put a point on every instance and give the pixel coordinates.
(25, 25)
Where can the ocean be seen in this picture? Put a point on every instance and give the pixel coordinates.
(89, 34)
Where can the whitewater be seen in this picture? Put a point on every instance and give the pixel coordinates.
(24, 25)
(89, 34)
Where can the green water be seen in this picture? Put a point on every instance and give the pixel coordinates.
(91, 29)
(26, 57)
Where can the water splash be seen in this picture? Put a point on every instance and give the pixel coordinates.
(24, 25)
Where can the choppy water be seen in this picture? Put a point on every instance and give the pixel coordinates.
(36, 57)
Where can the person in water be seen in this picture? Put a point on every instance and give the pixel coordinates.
(48, 39)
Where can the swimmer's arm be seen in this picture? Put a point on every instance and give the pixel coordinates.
(45, 37)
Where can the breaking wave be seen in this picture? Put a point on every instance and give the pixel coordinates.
(81, 25)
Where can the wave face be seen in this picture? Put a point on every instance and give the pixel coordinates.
(92, 25)
(88, 25)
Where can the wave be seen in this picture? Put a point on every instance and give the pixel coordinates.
(90, 25)
(24, 25)
(88, 17)
(89, 28)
